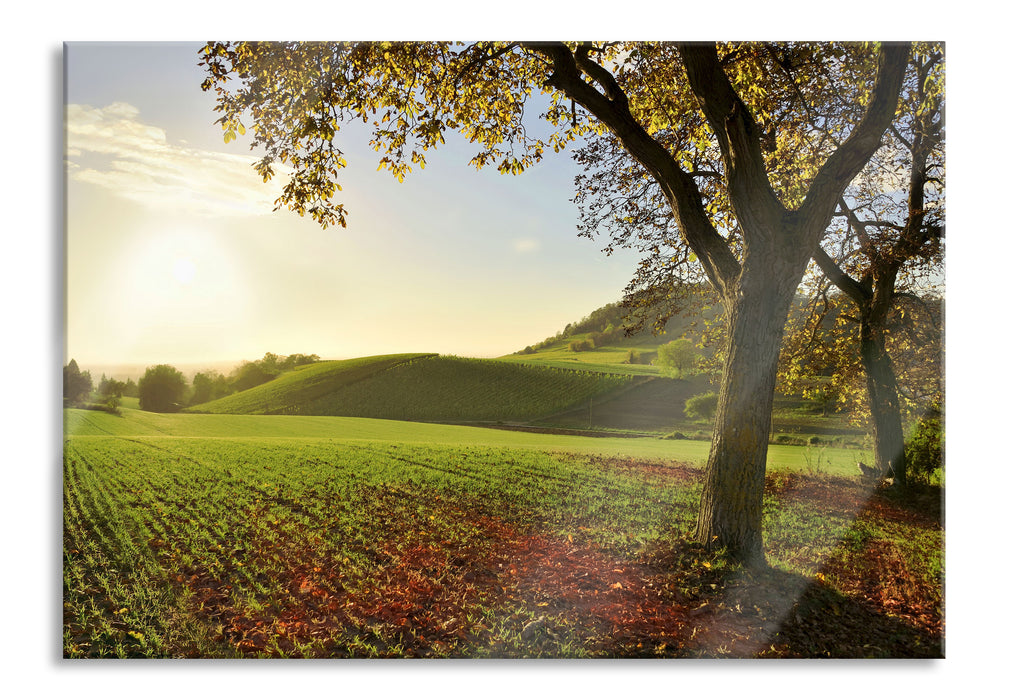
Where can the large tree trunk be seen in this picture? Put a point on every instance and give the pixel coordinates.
(733, 495)
(881, 383)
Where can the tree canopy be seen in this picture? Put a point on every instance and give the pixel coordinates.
(749, 147)
(162, 389)
(77, 385)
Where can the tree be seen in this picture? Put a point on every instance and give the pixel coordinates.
(662, 103)
(109, 387)
(207, 386)
(249, 375)
(297, 360)
(894, 237)
(162, 389)
(677, 356)
(77, 385)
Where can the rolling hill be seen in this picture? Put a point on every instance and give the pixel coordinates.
(422, 387)
(547, 386)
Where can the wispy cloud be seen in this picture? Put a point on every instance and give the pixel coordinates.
(525, 245)
(113, 148)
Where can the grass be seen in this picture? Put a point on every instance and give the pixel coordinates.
(227, 536)
(421, 388)
(294, 392)
(602, 359)
(135, 423)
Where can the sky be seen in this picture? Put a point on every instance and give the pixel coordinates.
(175, 255)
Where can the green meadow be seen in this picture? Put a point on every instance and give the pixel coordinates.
(134, 423)
(417, 505)
(231, 536)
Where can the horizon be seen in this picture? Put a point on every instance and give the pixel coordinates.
(175, 255)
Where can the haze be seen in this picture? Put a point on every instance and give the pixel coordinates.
(175, 255)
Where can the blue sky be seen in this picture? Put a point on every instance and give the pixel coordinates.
(173, 244)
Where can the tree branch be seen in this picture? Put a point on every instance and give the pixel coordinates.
(738, 136)
(681, 191)
(854, 153)
(854, 289)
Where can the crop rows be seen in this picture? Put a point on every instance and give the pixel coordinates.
(221, 548)
(290, 392)
(451, 388)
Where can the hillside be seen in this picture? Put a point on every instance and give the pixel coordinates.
(295, 392)
(422, 388)
(651, 404)
(599, 342)
(591, 376)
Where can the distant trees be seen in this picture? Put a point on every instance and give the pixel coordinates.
(162, 389)
(77, 385)
(677, 357)
(108, 387)
(251, 374)
(207, 386)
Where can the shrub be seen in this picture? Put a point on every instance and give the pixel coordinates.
(109, 404)
(790, 440)
(677, 357)
(925, 451)
(701, 406)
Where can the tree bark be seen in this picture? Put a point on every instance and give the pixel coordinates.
(874, 303)
(732, 498)
(881, 385)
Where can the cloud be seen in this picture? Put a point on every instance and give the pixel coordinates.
(113, 148)
(525, 245)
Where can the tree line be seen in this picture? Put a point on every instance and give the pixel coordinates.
(164, 389)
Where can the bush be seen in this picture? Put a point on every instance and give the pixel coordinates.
(109, 404)
(925, 451)
(790, 440)
(702, 406)
(162, 389)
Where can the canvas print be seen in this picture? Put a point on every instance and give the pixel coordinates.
(500, 350)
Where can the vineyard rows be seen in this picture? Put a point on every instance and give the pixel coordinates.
(422, 387)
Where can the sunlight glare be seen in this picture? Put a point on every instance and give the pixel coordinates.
(184, 270)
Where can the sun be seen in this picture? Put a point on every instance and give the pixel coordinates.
(183, 270)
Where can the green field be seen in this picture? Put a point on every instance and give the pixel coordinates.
(136, 423)
(417, 505)
(219, 536)
(422, 388)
